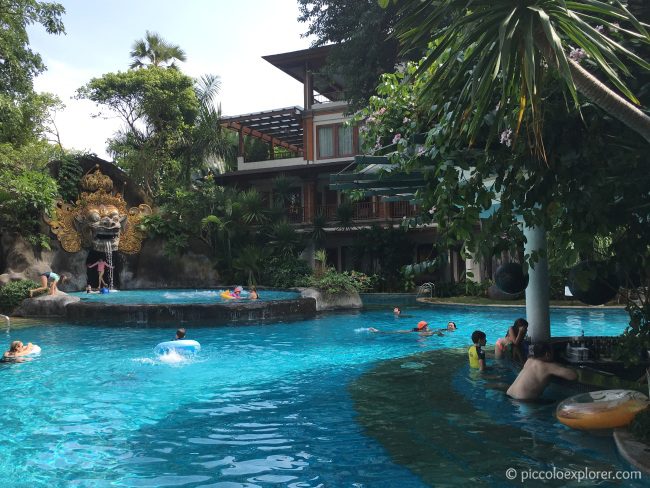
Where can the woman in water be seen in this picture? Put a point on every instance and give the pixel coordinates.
(511, 343)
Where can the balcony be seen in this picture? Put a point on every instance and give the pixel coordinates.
(361, 212)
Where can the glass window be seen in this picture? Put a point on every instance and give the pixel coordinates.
(345, 140)
(326, 142)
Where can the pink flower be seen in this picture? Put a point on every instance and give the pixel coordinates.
(577, 54)
(506, 137)
(397, 137)
(382, 111)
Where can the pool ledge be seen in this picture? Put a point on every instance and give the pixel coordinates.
(633, 451)
(142, 314)
(429, 301)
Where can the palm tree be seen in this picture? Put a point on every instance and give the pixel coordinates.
(484, 48)
(251, 260)
(153, 50)
(207, 141)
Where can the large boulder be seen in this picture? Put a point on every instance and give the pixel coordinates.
(45, 306)
(325, 301)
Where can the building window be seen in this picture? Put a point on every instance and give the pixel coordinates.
(335, 141)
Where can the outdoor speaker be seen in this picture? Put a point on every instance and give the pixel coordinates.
(510, 278)
(593, 282)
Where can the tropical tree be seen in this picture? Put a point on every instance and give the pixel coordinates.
(490, 52)
(153, 50)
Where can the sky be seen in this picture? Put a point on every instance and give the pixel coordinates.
(225, 38)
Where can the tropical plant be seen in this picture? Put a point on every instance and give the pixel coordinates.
(253, 207)
(318, 233)
(284, 240)
(153, 50)
(285, 272)
(320, 257)
(251, 260)
(332, 282)
(13, 293)
(344, 216)
(489, 51)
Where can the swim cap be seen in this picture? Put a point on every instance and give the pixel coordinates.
(239, 288)
(422, 324)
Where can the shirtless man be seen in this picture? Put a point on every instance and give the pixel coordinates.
(536, 374)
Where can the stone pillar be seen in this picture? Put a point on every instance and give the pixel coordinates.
(382, 210)
(537, 292)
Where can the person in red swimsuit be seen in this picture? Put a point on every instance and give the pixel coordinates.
(101, 267)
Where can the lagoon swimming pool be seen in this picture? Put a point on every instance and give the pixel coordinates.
(284, 404)
(180, 296)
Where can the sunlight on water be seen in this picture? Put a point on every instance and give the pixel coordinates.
(260, 405)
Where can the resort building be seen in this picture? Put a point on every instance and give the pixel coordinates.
(306, 146)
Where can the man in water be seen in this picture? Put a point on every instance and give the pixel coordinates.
(422, 328)
(180, 334)
(536, 374)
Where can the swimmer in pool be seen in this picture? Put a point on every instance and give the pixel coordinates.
(16, 350)
(422, 328)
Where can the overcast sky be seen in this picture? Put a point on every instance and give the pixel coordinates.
(226, 38)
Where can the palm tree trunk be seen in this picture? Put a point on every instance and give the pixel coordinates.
(610, 101)
(592, 88)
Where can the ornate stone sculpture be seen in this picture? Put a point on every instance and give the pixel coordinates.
(99, 219)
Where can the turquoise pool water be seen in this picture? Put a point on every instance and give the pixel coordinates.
(261, 405)
(175, 296)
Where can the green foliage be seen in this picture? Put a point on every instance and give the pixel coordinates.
(633, 345)
(159, 107)
(362, 44)
(285, 272)
(13, 293)
(69, 174)
(463, 288)
(640, 426)
(24, 198)
(19, 63)
(332, 282)
(153, 50)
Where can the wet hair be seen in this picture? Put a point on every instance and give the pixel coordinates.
(541, 349)
(15, 345)
(477, 335)
(180, 333)
(520, 323)
(452, 323)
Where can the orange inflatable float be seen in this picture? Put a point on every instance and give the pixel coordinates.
(604, 409)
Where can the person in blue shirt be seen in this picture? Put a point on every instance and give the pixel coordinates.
(49, 281)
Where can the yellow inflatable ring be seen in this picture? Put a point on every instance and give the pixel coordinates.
(604, 409)
(226, 294)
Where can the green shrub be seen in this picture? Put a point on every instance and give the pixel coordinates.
(332, 282)
(286, 272)
(13, 293)
(361, 281)
(640, 426)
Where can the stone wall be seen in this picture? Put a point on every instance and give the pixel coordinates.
(324, 301)
(151, 268)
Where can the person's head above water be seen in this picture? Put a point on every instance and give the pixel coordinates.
(16, 346)
(543, 351)
(451, 325)
(397, 311)
(422, 325)
(478, 336)
(180, 333)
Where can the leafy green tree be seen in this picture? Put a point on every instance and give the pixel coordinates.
(153, 50)
(490, 51)
(159, 107)
(363, 47)
(19, 63)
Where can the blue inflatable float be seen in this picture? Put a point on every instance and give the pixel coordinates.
(183, 346)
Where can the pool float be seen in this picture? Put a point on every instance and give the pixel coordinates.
(35, 350)
(603, 409)
(228, 294)
(183, 346)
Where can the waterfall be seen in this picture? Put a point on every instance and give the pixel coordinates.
(109, 260)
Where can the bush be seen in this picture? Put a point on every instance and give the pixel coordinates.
(13, 293)
(640, 426)
(361, 281)
(286, 272)
(332, 282)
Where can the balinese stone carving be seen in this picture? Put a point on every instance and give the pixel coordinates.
(99, 219)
